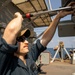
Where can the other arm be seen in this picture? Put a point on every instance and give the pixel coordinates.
(48, 34)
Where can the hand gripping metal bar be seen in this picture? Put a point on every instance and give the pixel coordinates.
(28, 15)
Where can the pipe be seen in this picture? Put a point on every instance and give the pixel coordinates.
(28, 15)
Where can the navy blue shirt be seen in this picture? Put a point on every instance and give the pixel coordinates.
(12, 65)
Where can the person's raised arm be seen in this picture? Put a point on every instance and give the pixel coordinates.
(48, 34)
(13, 29)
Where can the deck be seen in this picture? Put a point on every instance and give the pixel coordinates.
(59, 68)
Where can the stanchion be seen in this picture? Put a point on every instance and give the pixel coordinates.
(61, 48)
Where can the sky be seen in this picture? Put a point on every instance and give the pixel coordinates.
(69, 42)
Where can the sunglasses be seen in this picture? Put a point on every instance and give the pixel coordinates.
(21, 39)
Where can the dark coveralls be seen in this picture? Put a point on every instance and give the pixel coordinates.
(12, 65)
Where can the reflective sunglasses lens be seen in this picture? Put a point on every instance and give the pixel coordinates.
(21, 39)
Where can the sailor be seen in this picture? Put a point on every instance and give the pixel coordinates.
(15, 57)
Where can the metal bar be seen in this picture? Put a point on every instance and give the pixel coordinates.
(55, 55)
(50, 11)
(67, 53)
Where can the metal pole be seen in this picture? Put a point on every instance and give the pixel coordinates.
(55, 55)
(50, 11)
(28, 15)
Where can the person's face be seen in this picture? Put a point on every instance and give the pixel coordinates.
(23, 46)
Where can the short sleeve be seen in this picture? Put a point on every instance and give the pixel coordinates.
(36, 49)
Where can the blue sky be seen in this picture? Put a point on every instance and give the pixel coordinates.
(69, 42)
